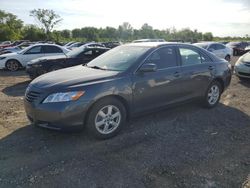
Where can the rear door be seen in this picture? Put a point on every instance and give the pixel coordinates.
(159, 88)
(197, 72)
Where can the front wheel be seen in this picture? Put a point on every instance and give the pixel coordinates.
(106, 118)
(12, 65)
(212, 95)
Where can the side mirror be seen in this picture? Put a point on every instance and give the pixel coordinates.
(150, 67)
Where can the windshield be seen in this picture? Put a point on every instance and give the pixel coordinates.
(202, 45)
(119, 58)
(75, 52)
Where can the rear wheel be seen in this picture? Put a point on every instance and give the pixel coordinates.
(213, 94)
(12, 65)
(106, 118)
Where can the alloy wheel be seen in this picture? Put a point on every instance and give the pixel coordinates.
(108, 119)
(213, 94)
(12, 65)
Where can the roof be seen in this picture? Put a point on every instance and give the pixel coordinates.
(152, 44)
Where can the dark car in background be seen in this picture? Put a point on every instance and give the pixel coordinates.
(238, 47)
(78, 56)
(126, 81)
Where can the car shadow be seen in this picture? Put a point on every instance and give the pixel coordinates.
(245, 82)
(16, 90)
(185, 146)
(6, 73)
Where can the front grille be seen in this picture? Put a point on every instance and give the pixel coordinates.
(247, 64)
(31, 96)
(244, 74)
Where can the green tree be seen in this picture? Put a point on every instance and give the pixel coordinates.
(207, 36)
(10, 26)
(125, 31)
(48, 19)
(33, 33)
(147, 31)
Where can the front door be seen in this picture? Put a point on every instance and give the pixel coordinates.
(155, 89)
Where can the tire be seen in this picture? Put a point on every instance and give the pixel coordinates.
(12, 65)
(106, 118)
(213, 94)
(227, 58)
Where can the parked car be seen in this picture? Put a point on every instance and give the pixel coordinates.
(5, 44)
(123, 82)
(148, 40)
(14, 61)
(81, 55)
(242, 66)
(92, 44)
(247, 49)
(218, 49)
(15, 48)
(238, 47)
(75, 45)
(69, 43)
(112, 44)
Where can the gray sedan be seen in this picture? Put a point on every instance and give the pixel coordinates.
(125, 82)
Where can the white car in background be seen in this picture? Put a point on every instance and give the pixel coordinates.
(14, 61)
(218, 49)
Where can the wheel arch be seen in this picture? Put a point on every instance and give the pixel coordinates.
(117, 97)
(20, 64)
(220, 80)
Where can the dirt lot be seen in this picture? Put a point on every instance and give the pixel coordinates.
(186, 146)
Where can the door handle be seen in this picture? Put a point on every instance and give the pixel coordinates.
(211, 67)
(177, 74)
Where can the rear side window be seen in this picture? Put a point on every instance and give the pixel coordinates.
(192, 57)
(52, 49)
(219, 47)
(163, 58)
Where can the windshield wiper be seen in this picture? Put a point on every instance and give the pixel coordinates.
(95, 67)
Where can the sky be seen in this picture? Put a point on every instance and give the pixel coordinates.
(221, 17)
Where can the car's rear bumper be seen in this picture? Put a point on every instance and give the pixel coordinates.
(57, 116)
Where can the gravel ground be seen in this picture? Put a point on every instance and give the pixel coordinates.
(185, 146)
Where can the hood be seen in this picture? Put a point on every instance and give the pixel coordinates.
(246, 57)
(46, 58)
(73, 76)
(8, 54)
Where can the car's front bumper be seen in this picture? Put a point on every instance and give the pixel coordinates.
(242, 70)
(58, 116)
(2, 64)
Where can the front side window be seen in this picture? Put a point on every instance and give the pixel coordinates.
(191, 57)
(163, 58)
(34, 50)
(219, 47)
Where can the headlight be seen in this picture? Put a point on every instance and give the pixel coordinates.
(2, 58)
(63, 97)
